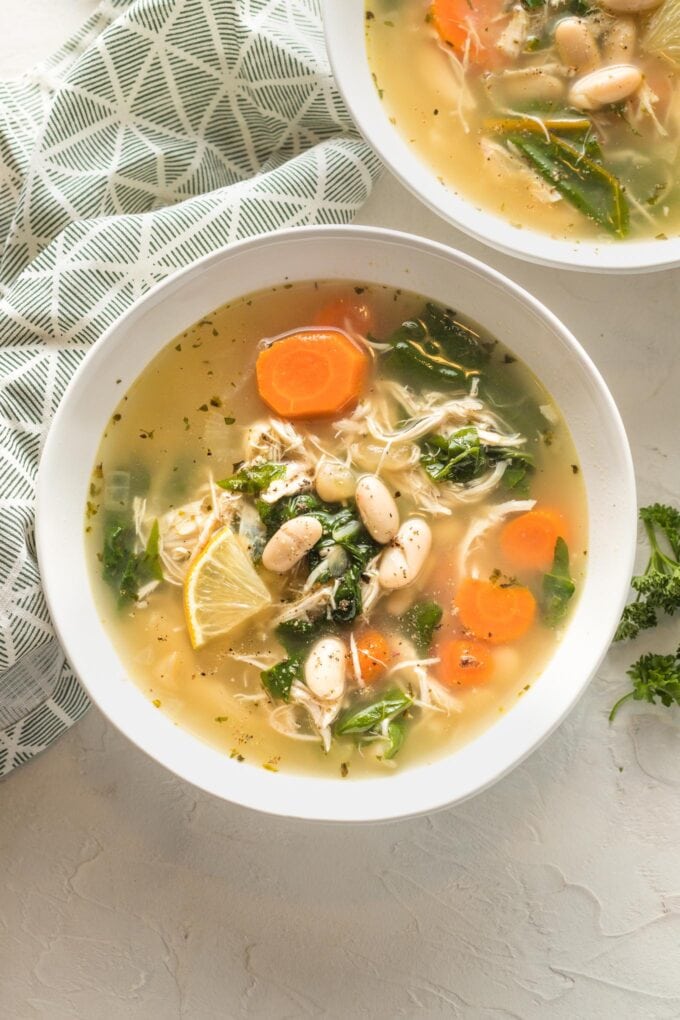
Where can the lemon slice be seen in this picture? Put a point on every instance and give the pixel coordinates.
(222, 589)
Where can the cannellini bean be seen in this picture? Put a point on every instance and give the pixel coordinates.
(575, 44)
(290, 543)
(620, 41)
(334, 482)
(630, 6)
(403, 560)
(532, 84)
(377, 508)
(325, 669)
(604, 86)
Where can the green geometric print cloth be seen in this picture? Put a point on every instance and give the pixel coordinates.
(162, 131)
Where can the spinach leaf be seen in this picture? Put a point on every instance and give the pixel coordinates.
(462, 457)
(254, 478)
(396, 732)
(367, 717)
(278, 679)
(419, 624)
(585, 184)
(122, 567)
(558, 586)
(458, 458)
(348, 603)
(435, 349)
(273, 515)
(297, 635)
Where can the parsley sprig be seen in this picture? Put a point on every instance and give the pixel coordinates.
(658, 588)
(653, 676)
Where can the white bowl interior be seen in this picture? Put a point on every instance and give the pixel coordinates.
(344, 22)
(373, 256)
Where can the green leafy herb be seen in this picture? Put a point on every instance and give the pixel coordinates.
(396, 732)
(653, 676)
(435, 349)
(273, 515)
(125, 569)
(585, 184)
(558, 586)
(278, 680)
(347, 597)
(419, 624)
(297, 635)
(253, 478)
(367, 717)
(658, 588)
(463, 456)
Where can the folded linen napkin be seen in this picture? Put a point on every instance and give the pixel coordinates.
(161, 131)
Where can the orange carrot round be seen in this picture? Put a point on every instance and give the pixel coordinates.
(529, 540)
(374, 654)
(344, 313)
(316, 373)
(472, 29)
(494, 613)
(464, 662)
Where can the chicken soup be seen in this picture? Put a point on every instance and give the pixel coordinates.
(336, 528)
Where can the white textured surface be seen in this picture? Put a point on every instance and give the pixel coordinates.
(126, 894)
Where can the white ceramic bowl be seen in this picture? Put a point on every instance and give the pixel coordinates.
(344, 22)
(376, 256)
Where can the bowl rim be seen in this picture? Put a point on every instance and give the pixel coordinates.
(343, 20)
(151, 739)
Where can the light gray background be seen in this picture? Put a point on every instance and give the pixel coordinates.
(126, 894)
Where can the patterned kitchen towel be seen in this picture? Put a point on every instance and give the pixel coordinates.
(163, 130)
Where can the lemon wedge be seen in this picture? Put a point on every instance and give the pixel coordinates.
(222, 589)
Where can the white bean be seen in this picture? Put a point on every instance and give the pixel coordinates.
(377, 508)
(334, 482)
(325, 669)
(532, 85)
(290, 543)
(575, 44)
(403, 560)
(620, 41)
(604, 86)
(630, 6)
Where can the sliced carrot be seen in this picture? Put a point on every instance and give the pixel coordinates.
(529, 540)
(472, 29)
(464, 662)
(316, 373)
(374, 654)
(494, 613)
(344, 313)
